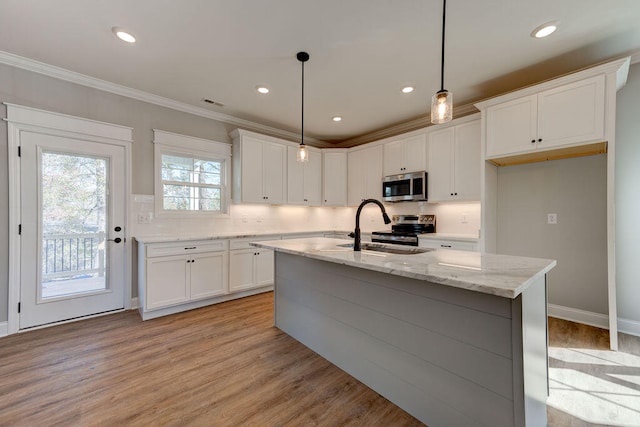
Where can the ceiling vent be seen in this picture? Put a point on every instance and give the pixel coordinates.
(212, 102)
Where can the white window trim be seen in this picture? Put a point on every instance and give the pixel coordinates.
(183, 145)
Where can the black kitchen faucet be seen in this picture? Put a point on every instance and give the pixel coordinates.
(356, 233)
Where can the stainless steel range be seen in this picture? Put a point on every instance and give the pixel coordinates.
(405, 229)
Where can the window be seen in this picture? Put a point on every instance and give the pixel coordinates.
(191, 175)
(191, 183)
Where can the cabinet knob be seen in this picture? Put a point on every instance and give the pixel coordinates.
(455, 194)
(539, 139)
(533, 141)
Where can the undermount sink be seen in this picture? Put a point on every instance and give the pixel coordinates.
(377, 247)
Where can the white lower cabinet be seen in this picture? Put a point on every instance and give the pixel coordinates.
(178, 272)
(448, 244)
(183, 275)
(249, 267)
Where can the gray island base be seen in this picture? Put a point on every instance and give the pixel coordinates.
(454, 338)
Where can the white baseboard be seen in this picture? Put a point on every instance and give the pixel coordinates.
(4, 329)
(579, 316)
(626, 326)
(134, 303)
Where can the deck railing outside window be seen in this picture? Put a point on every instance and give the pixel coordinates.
(71, 255)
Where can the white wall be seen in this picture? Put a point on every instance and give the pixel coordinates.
(628, 199)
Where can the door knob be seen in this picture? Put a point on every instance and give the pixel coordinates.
(116, 240)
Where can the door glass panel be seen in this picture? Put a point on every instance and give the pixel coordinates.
(74, 223)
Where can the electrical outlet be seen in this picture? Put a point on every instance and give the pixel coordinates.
(552, 218)
(144, 218)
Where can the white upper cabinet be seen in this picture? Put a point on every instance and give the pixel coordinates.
(304, 180)
(259, 169)
(563, 116)
(454, 163)
(405, 155)
(364, 166)
(334, 173)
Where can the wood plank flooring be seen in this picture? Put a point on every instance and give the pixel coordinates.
(223, 365)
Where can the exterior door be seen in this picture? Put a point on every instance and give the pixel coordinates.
(72, 215)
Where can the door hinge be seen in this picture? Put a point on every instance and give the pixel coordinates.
(19, 229)
(18, 307)
(19, 151)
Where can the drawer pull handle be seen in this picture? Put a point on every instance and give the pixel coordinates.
(193, 247)
(445, 246)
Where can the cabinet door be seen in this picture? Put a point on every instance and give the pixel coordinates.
(273, 172)
(313, 179)
(208, 274)
(372, 171)
(415, 153)
(512, 127)
(394, 158)
(356, 180)
(241, 269)
(441, 165)
(295, 178)
(466, 182)
(252, 171)
(571, 114)
(264, 267)
(335, 179)
(166, 282)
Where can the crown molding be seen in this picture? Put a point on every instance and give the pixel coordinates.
(635, 57)
(404, 127)
(95, 83)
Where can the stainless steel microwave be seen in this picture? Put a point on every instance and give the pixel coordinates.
(405, 187)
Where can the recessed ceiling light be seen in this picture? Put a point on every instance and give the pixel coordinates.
(336, 118)
(407, 89)
(123, 35)
(545, 29)
(262, 89)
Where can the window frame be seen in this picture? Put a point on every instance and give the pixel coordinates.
(167, 143)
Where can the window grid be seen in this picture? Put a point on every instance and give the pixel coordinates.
(191, 183)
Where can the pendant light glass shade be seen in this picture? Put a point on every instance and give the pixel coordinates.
(303, 153)
(441, 107)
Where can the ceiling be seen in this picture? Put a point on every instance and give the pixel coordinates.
(362, 52)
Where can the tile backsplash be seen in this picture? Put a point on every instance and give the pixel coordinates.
(459, 218)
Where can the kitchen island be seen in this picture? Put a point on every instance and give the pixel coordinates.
(455, 338)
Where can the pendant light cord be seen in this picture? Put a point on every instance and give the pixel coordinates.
(302, 109)
(444, 13)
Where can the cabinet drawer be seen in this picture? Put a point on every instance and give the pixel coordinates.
(186, 247)
(447, 244)
(246, 243)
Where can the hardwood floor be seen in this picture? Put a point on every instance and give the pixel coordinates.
(226, 365)
(589, 384)
(223, 365)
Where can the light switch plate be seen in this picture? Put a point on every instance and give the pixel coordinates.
(552, 218)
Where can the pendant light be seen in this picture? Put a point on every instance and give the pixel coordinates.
(303, 154)
(442, 100)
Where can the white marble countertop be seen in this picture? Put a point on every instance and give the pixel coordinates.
(230, 235)
(450, 236)
(501, 275)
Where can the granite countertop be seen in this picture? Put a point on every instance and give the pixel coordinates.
(501, 275)
(228, 235)
(450, 236)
